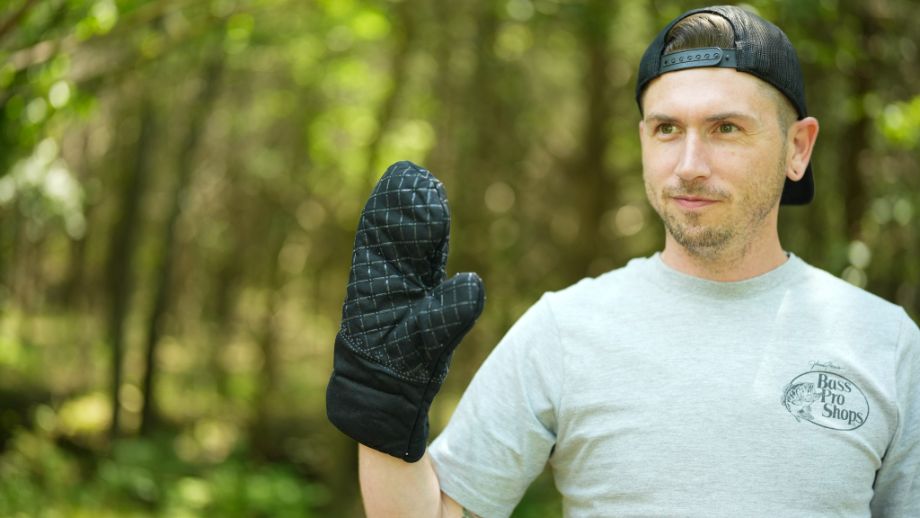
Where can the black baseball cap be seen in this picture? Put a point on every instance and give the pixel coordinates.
(761, 49)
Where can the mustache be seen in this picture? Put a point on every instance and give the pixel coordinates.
(696, 190)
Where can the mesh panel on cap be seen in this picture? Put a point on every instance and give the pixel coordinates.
(766, 52)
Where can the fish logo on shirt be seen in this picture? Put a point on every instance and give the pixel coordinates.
(798, 397)
(826, 399)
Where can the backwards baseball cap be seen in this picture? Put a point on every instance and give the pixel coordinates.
(761, 49)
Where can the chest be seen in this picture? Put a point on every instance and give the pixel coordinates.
(697, 419)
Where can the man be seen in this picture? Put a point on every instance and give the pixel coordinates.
(720, 377)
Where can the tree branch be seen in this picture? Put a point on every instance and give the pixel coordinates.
(11, 22)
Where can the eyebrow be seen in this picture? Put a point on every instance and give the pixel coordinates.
(730, 115)
(660, 117)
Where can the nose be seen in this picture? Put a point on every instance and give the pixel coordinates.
(693, 162)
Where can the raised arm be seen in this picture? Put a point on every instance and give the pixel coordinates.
(401, 321)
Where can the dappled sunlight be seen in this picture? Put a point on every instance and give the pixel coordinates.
(180, 184)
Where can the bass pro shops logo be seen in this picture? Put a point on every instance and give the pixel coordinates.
(826, 399)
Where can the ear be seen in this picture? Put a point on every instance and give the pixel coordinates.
(801, 141)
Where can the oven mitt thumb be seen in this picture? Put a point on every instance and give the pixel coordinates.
(401, 319)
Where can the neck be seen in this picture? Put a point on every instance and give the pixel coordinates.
(735, 262)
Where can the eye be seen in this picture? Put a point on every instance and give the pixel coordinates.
(665, 128)
(727, 127)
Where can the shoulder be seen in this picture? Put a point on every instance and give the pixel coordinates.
(836, 295)
(613, 283)
(830, 304)
(612, 295)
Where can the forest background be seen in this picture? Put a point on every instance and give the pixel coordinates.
(180, 181)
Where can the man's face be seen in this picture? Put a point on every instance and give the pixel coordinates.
(714, 157)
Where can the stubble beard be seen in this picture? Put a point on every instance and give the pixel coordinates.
(714, 240)
(699, 240)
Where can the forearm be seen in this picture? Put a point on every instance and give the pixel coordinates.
(392, 487)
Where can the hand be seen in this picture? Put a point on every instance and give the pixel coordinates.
(401, 320)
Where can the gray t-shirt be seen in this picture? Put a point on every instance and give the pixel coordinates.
(654, 393)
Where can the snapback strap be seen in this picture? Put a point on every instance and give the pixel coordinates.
(694, 58)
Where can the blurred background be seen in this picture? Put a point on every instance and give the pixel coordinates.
(180, 181)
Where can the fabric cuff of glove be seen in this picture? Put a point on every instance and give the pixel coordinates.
(374, 408)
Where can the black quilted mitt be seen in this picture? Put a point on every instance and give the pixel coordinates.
(401, 319)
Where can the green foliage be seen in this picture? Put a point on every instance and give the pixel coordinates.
(144, 477)
(900, 123)
(34, 473)
(44, 189)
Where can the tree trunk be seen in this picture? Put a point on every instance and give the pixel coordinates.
(76, 265)
(121, 253)
(590, 170)
(856, 135)
(387, 109)
(260, 431)
(162, 294)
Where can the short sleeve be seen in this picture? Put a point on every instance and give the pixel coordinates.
(503, 431)
(897, 483)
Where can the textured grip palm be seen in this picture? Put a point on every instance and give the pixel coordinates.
(399, 312)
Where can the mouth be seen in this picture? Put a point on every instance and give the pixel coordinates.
(693, 202)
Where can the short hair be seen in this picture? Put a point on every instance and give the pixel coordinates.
(698, 31)
(711, 30)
